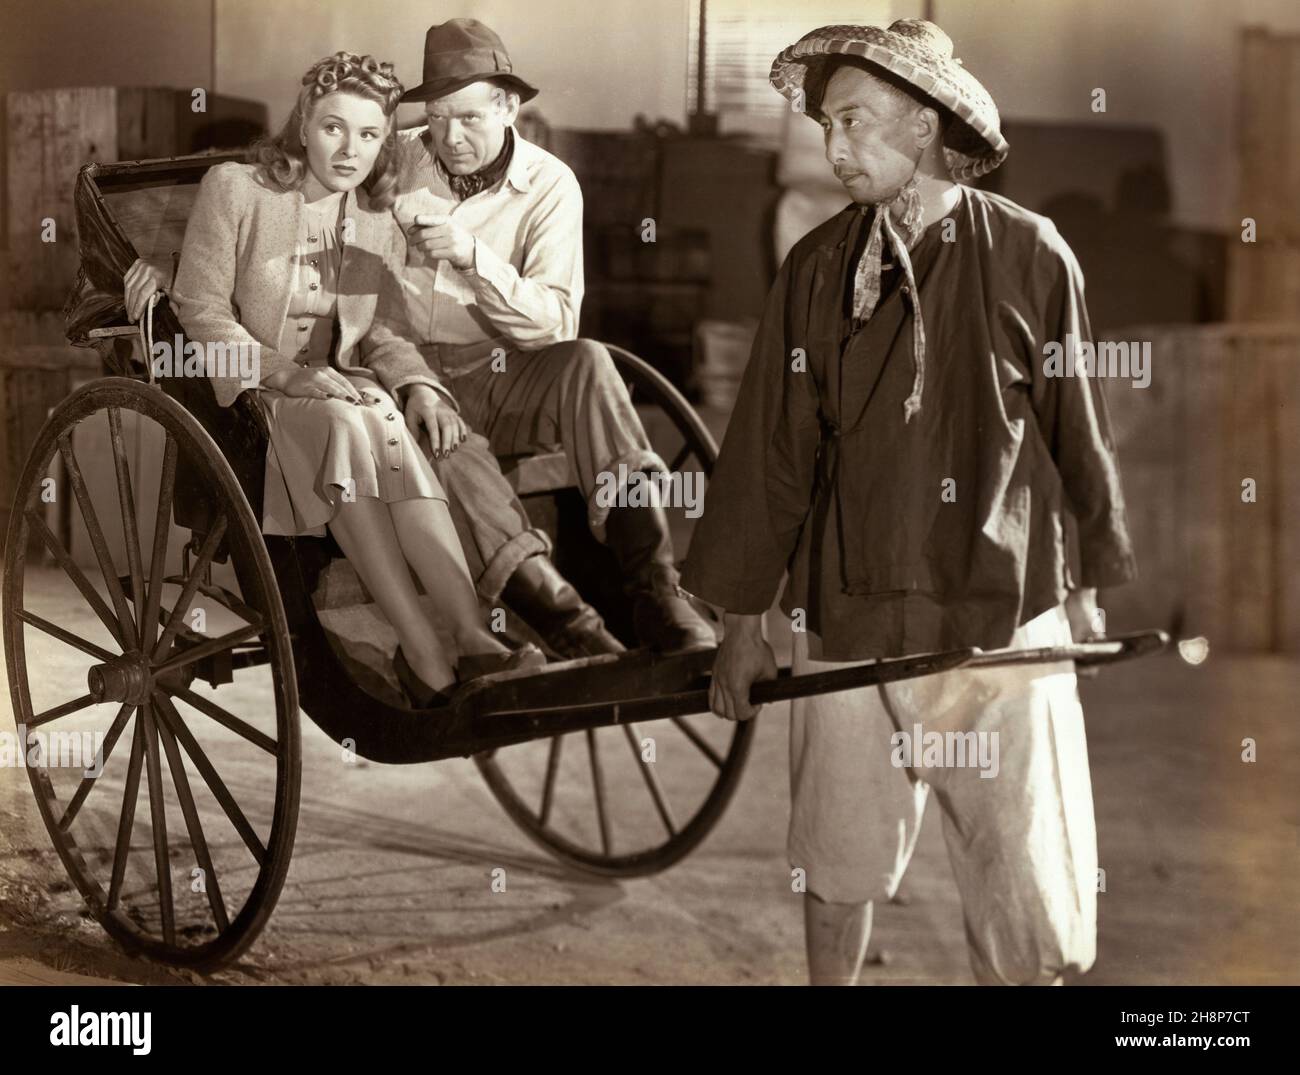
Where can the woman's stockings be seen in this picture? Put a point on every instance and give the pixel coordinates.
(428, 540)
(365, 531)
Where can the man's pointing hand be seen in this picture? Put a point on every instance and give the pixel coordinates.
(440, 237)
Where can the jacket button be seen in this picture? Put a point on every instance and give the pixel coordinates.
(311, 238)
(314, 287)
(396, 467)
(302, 350)
(390, 417)
(302, 328)
(393, 440)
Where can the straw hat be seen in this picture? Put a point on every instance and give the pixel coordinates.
(920, 54)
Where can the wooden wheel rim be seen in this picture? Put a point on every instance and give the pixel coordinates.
(649, 386)
(246, 542)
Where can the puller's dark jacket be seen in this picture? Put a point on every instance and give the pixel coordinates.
(820, 475)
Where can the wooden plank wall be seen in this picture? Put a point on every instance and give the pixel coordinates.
(1223, 406)
(37, 369)
(51, 134)
(1264, 275)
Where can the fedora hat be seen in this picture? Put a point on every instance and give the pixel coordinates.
(461, 51)
(920, 55)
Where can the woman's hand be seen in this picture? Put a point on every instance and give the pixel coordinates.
(313, 382)
(141, 282)
(426, 407)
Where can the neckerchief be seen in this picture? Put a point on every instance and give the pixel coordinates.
(466, 186)
(866, 280)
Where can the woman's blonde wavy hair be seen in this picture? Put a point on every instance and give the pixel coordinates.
(283, 157)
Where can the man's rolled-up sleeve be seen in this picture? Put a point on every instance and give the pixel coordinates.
(761, 489)
(1075, 422)
(537, 304)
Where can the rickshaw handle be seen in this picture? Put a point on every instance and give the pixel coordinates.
(851, 677)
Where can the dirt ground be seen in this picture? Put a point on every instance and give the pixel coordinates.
(393, 869)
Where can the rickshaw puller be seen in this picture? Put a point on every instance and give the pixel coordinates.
(898, 445)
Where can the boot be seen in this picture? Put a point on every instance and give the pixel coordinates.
(662, 615)
(549, 604)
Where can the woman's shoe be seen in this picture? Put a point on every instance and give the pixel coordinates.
(418, 693)
(526, 658)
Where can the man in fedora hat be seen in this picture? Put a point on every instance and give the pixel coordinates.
(900, 447)
(494, 285)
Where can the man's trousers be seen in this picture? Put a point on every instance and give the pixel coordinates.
(567, 397)
(1022, 840)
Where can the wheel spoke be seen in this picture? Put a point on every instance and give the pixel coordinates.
(61, 710)
(598, 782)
(126, 501)
(194, 827)
(206, 649)
(161, 529)
(699, 741)
(167, 713)
(97, 541)
(127, 819)
(548, 790)
(227, 719)
(158, 823)
(101, 759)
(75, 641)
(688, 449)
(651, 779)
(182, 605)
(77, 576)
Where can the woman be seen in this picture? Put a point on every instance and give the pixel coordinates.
(293, 252)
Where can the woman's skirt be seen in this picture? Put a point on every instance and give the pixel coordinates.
(326, 452)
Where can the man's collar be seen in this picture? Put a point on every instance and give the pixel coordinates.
(517, 173)
(520, 164)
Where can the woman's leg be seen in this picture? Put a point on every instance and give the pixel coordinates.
(428, 540)
(364, 530)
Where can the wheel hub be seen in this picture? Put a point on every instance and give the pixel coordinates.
(127, 678)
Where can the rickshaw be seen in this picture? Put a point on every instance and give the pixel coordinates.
(225, 693)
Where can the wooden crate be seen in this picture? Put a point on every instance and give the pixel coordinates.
(618, 173)
(727, 189)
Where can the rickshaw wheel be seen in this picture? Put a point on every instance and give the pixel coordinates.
(698, 759)
(215, 881)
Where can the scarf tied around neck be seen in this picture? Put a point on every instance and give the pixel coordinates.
(866, 281)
